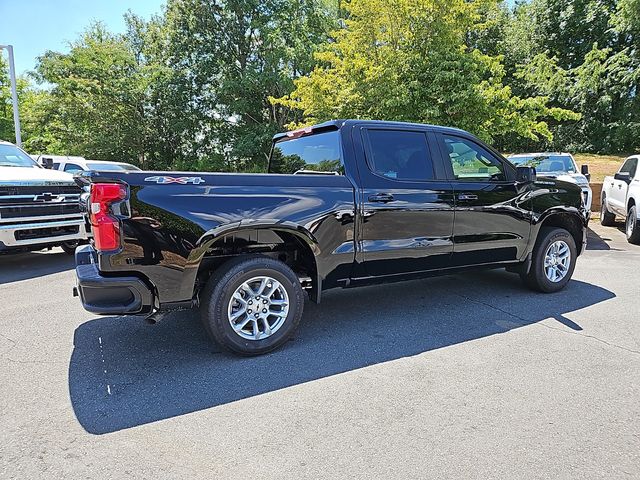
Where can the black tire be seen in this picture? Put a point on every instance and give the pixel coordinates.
(607, 219)
(69, 247)
(537, 279)
(632, 228)
(217, 295)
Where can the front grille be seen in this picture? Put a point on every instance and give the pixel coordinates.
(39, 210)
(46, 232)
(37, 190)
(30, 202)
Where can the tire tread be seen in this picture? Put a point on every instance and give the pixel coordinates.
(535, 279)
(214, 291)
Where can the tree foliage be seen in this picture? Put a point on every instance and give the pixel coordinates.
(410, 60)
(585, 55)
(206, 83)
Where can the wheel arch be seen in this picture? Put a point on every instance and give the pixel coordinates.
(288, 242)
(568, 220)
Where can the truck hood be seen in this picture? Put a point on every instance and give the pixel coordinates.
(576, 178)
(24, 176)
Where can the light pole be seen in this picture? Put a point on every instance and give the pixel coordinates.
(14, 93)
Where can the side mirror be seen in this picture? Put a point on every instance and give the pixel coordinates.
(47, 163)
(525, 174)
(624, 176)
(584, 169)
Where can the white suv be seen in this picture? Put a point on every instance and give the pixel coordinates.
(557, 165)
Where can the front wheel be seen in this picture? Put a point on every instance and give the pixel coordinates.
(607, 219)
(553, 261)
(252, 305)
(632, 228)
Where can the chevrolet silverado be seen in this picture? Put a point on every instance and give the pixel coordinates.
(344, 203)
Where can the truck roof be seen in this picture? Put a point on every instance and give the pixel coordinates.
(337, 124)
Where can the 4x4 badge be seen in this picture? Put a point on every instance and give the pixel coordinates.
(162, 180)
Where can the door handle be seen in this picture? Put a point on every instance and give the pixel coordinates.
(467, 196)
(381, 197)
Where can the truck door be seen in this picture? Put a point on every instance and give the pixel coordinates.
(492, 221)
(619, 187)
(406, 209)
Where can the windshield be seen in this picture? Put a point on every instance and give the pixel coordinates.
(12, 156)
(546, 163)
(313, 154)
(111, 167)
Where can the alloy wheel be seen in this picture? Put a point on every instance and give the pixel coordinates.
(258, 308)
(557, 260)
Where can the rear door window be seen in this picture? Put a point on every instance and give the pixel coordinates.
(399, 154)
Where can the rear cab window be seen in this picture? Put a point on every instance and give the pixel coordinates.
(319, 153)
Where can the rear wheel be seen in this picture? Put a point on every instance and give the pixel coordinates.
(632, 228)
(553, 261)
(607, 218)
(252, 305)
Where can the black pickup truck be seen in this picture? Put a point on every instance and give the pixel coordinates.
(345, 203)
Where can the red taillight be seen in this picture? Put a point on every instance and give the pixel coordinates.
(106, 227)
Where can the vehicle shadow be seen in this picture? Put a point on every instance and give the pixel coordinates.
(125, 373)
(596, 242)
(23, 266)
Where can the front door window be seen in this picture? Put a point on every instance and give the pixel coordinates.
(471, 162)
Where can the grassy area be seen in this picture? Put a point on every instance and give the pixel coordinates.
(600, 165)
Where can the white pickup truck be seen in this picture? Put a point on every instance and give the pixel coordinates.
(621, 196)
(39, 208)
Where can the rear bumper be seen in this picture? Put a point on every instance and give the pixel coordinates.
(103, 295)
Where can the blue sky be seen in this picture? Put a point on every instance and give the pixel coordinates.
(34, 26)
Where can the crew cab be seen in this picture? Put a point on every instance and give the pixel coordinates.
(39, 208)
(621, 196)
(345, 203)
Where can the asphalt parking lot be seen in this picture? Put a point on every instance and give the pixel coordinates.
(453, 377)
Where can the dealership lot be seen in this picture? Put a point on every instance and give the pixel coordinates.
(454, 377)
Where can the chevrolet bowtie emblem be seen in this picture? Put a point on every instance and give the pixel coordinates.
(46, 197)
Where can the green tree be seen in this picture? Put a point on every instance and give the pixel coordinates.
(584, 56)
(95, 104)
(26, 98)
(230, 56)
(410, 60)
(6, 114)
